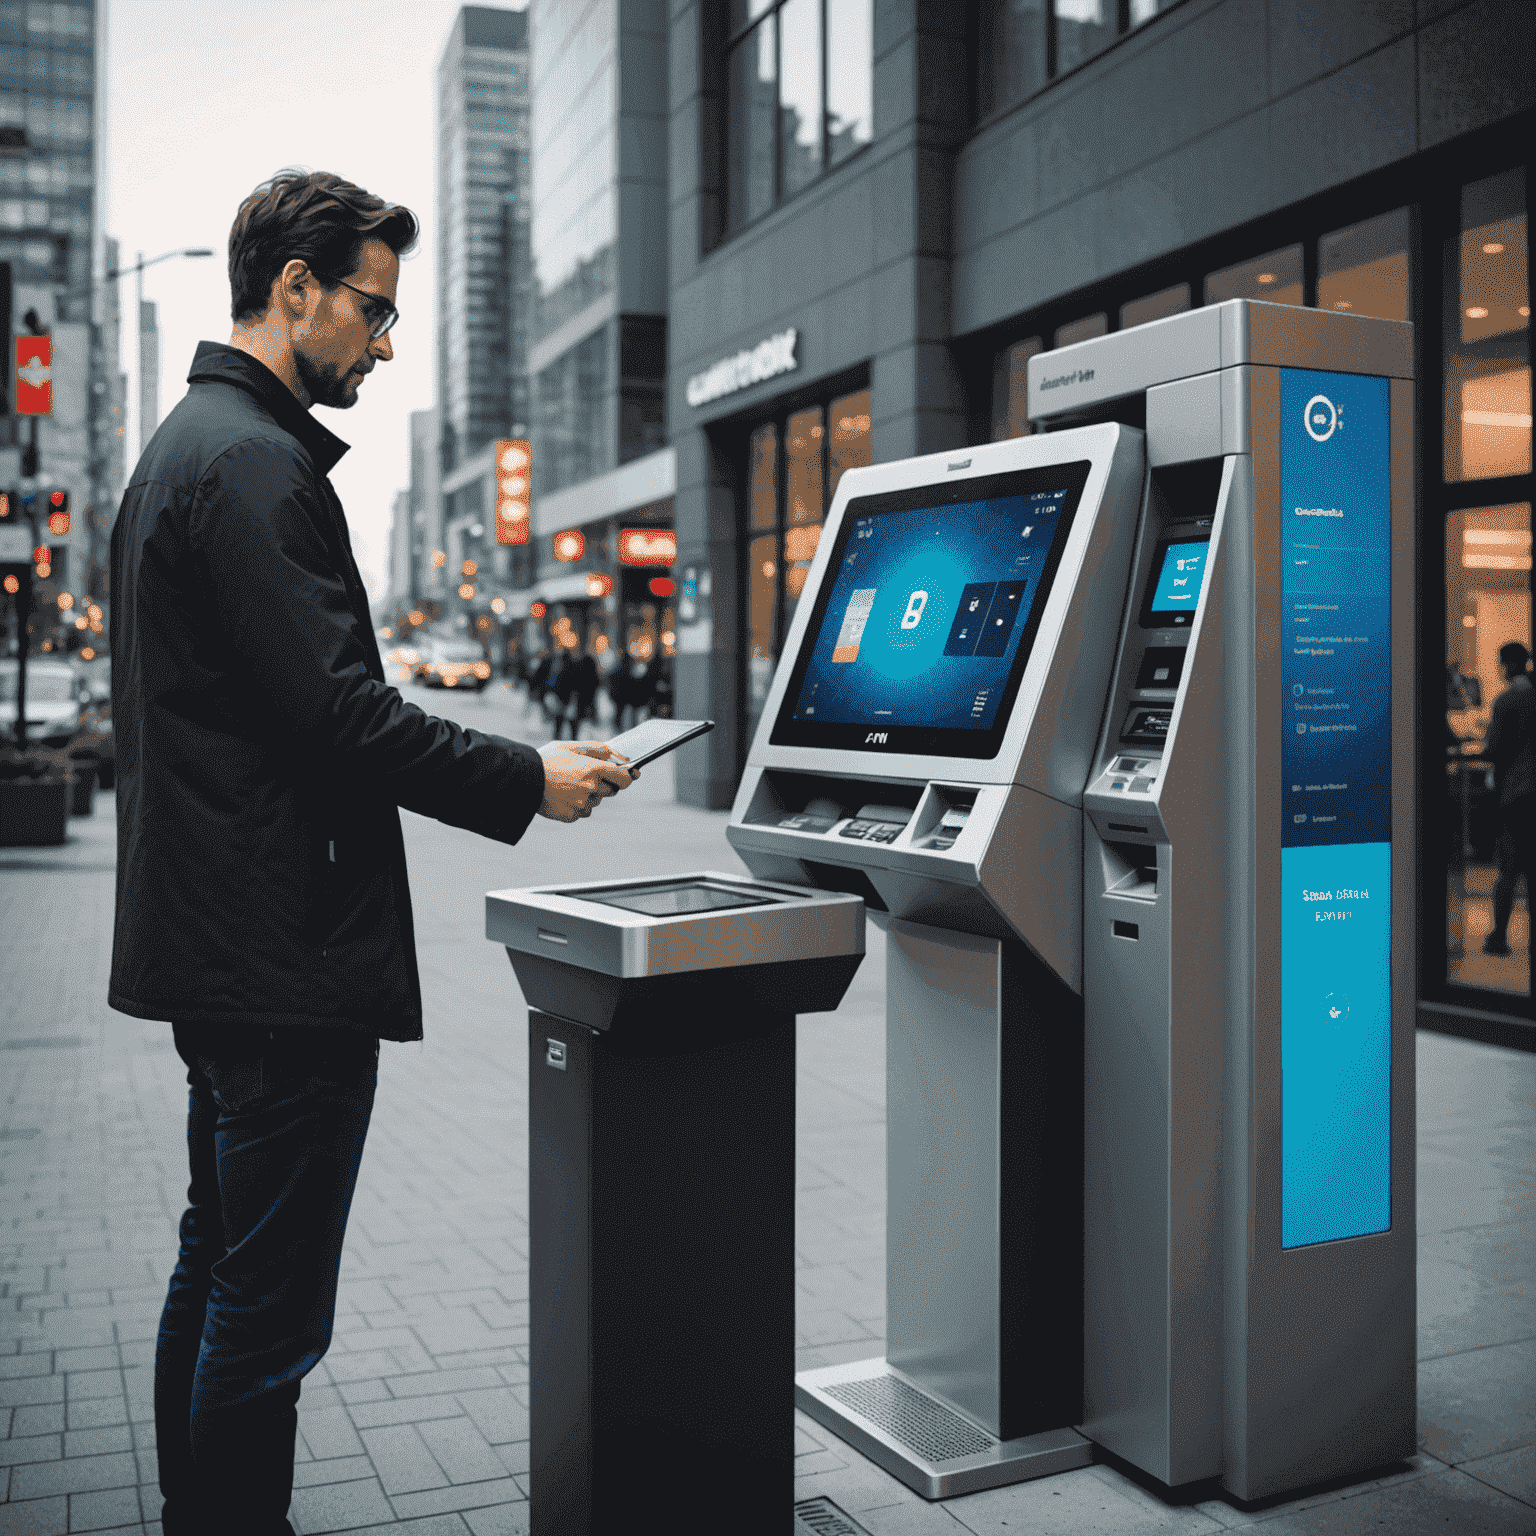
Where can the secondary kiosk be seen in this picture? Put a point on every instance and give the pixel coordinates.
(1112, 726)
(1248, 880)
(925, 744)
(661, 1088)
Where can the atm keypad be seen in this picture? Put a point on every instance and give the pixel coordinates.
(873, 831)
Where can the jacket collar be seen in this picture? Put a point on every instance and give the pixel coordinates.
(215, 362)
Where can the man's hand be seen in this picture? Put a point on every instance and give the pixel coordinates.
(578, 774)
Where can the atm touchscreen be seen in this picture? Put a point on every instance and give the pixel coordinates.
(1178, 575)
(927, 614)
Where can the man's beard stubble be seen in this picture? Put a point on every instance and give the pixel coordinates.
(325, 383)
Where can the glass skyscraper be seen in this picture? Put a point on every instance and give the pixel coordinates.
(482, 228)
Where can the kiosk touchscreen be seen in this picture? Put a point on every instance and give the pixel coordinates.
(935, 599)
(925, 744)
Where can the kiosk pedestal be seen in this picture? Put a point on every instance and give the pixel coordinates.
(984, 1224)
(661, 1080)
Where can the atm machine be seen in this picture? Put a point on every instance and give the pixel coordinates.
(1112, 727)
(925, 745)
(1248, 933)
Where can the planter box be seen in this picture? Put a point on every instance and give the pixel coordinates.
(34, 813)
(83, 787)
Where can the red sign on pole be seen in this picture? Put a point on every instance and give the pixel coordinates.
(34, 375)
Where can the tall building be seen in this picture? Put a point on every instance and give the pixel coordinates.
(149, 368)
(483, 293)
(599, 347)
(51, 121)
(426, 505)
(482, 229)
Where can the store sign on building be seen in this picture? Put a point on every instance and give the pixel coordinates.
(767, 360)
(34, 375)
(514, 469)
(647, 546)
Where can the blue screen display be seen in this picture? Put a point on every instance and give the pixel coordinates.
(927, 610)
(1336, 851)
(1182, 576)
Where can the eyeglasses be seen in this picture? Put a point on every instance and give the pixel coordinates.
(381, 322)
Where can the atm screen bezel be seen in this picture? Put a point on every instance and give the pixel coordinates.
(1071, 477)
(1172, 618)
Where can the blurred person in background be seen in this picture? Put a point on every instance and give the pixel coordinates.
(262, 899)
(1511, 743)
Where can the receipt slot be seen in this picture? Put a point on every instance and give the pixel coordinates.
(925, 744)
(661, 1090)
(1248, 938)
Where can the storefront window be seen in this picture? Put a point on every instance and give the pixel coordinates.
(799, 96)
(1156, 306)
(1082, 330)
(1363, 270)
(762, 566)
(852, 435)
(1487, 335)
(1488, 608)
(1010, 389)
(1275, 278)
(793, 469)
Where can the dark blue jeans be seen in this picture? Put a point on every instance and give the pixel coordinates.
(275, 1134)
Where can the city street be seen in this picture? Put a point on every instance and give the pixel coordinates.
(417, 1419)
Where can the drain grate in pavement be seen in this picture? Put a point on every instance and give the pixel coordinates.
(821, 1517)
(912, 1417)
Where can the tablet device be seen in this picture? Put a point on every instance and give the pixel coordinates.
(655, 737)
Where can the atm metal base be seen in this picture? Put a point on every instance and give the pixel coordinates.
(931, 1448)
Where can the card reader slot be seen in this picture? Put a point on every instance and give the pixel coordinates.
(942, 815)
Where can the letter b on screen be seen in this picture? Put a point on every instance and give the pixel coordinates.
(915, 605)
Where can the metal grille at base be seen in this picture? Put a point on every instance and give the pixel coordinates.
(821, 1517)
(912, 1417)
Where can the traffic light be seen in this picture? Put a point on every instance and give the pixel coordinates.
(58, 513)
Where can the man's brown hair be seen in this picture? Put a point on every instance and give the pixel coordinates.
(309, 216)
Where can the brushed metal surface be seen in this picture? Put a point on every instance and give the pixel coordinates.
(1217, 336)
(1005, 1462)
(557, 922)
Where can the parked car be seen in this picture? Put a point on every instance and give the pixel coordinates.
(53, 699)
(452, 664)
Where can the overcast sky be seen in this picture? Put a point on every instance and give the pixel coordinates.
(206, 98)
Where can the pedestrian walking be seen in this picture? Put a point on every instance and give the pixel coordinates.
(1511, 743)
(262, 899)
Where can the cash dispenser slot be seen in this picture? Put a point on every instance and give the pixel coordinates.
(942, 815)
(1130, 870)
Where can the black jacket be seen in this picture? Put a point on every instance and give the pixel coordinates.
(260, 754)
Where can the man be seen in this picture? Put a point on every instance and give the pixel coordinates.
(262, 903)
(1511, 743)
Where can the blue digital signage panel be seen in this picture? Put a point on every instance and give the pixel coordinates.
(1336, 854)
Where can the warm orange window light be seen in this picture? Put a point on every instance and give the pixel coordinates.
(12, 584)
(570, 545)
(467, 591)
